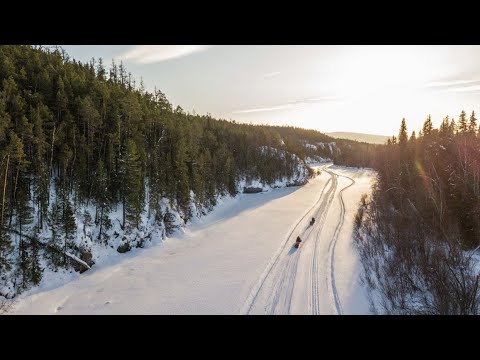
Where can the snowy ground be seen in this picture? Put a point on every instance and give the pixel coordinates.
(237, 259)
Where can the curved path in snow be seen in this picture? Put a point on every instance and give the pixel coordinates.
(238, 258)
(275, 291)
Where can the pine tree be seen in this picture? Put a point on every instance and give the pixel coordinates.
(133, 203)
(24, 210)
(444, 129)
(36, 270)
(101, 73)
(403, 136)
(427, 126)
(413, 137)
(6, 248)
(55, 242)
(113, 72)
(69, 227)
(182, 183)
(61, 98)
(18, 160)
(453, 126)
(102, 199)
(41, 184)
(5, 122)
(24, 262)
(472, 126)
(462, 123)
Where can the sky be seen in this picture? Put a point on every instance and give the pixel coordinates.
(366, 89)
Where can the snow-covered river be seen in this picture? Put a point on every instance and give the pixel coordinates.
(237, 259)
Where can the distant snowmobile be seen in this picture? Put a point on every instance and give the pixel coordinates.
(312, 221)
(298, 242)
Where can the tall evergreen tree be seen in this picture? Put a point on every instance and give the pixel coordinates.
(133, 202)
(472, 125)
(462, 123)
(427, 126)
(403, 136)
(69, 227)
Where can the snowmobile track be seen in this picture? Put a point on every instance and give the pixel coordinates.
(285, 284)
(247, 307)
(314, 274)
(330, 275)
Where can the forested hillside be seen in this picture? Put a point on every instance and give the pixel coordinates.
(418, 233)
(90, 158)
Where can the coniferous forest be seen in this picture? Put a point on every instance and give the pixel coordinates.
(419, 232)
(91, 162)
(89, 157)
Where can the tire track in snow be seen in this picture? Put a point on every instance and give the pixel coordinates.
(330, 274)
(284, 279)
(314, 269)
(285, 282)
(283, 287)
(250, 301)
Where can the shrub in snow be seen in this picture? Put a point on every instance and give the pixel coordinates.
(171, 222)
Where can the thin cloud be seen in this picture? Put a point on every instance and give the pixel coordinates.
(271, 108)
(272, 74)
(319, 99)
(450, 85)
(467, 89)
(289, 104)
(148, 54)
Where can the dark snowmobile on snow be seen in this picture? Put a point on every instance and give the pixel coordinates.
(312, 221)
(298, 242)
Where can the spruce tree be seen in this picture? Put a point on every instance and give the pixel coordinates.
(413, 137)
(69, 227)
(36, 270)
(453, 126)
(472, 125)
(133, 185)
(462, 123)
(24, 210)
(24, 265)
(41, 184)
(55, 241)
(402, 135)
(427, 126)
(6, 249)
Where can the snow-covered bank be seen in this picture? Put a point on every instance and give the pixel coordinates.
(213, 266)
(98, 237)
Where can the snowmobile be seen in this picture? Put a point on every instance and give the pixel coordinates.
(312, 221)
(298, 242)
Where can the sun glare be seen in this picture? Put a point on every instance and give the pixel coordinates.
(383, 71)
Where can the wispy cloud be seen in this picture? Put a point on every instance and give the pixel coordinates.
(147, 54)
(288, 104)
(260, 109)
(272, 74)
(449, 83)
(467, 89)
(319, 99)
(457, 85)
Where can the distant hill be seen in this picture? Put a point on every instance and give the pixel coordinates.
(369, 138)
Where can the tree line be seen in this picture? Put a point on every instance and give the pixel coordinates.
(419, 232)
(80, 142)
